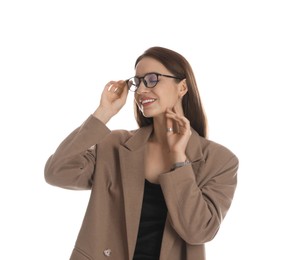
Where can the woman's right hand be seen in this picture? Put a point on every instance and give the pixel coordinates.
(113, 98)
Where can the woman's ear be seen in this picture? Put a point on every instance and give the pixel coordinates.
(182, 87)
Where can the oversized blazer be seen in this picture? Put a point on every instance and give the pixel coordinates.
(111, 164)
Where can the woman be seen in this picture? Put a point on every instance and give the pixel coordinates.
(159, 192)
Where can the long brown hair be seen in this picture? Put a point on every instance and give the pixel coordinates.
(191, 102)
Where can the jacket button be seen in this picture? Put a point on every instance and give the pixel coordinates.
(107, 252)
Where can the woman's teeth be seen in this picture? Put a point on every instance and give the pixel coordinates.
(147, 101)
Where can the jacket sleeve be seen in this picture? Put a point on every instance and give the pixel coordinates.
(72, 165)
(196, 211)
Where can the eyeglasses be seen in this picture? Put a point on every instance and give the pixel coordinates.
(150, 80)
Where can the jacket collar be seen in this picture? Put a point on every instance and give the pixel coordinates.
(141, 136)
(194, 148)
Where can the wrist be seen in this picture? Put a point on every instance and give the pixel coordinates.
(178, 157)
(102, 114)
(180, 164)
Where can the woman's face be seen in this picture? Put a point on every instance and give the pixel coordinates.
(167, 93)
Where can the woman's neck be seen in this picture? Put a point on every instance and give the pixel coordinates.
(159, 130)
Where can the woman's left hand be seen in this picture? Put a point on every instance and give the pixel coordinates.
(178, 134)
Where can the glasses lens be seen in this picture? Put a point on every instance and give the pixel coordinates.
(151, 80)
(133, 83)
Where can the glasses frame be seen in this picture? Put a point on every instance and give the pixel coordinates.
(142, 79)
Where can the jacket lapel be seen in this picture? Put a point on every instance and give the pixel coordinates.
(133, 178)
(132, 154)
(194, 149)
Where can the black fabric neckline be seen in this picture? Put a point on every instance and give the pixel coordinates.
(151, 183)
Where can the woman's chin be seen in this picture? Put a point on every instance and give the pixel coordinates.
(148, 114)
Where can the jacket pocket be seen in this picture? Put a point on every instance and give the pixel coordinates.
(79, 254)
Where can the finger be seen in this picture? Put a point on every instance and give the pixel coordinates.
(169, 123)
(177, 116)
(123, 90)
(179, 110)
(121, 87)
(109, 85)
(181, 122)
(172, 115)
(118, 87)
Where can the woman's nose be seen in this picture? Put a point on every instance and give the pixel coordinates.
(142, 88)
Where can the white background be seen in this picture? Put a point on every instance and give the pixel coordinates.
(55, 58)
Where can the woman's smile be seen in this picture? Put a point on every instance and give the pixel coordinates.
(146, 101)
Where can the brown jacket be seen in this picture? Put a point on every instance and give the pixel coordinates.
(111, 164)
